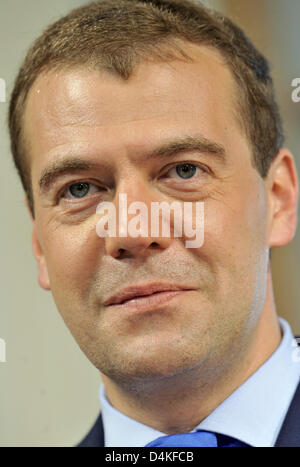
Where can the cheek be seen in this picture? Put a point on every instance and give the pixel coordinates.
(236, 223)
(235, 239)
(72, 254)
(72, 259)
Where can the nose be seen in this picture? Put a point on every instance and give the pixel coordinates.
(132, 247)
(133, 215)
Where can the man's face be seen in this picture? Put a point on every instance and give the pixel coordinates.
(117, 125)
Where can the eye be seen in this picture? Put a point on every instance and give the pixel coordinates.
(79, 190)
(185, 171)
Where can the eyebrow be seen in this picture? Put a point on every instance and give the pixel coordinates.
(67, 165)
(188, 144)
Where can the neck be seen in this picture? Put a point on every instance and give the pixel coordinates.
(178, 403)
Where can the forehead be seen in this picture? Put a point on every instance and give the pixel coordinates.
(92, 108)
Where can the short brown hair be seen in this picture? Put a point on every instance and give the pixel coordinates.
(115, 35)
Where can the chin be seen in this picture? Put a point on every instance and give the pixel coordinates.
(144, 369)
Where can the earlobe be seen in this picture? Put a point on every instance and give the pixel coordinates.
(43, 277)
(283, 192)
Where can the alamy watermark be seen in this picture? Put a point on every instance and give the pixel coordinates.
(296, 350)
(185, 222)
(296, 92)
(2, 90)
(2, 351)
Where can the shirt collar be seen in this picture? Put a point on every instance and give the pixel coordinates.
(253, 413)
(121, 430)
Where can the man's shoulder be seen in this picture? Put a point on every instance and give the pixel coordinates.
(289, 435)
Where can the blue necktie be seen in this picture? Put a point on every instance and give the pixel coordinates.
(204, 439)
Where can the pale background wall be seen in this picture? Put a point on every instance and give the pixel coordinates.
(48, 388)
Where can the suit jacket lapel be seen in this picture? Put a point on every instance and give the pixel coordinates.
(95, 437)
(289, 435)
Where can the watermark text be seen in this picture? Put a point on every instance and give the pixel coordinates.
(2, 351)
(2, 90)
(296, 350)
(177, 219)
(296, 92)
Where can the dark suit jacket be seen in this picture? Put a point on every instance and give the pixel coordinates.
(289, 435)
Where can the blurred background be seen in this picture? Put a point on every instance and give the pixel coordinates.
(48, 388)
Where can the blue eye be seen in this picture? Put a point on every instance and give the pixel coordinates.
(79, 189)
(186, 170)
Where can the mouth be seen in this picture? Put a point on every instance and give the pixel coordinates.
(146, 295)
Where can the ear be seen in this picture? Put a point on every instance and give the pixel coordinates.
(283, 192)
(43, 277)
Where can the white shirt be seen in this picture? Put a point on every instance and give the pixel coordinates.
(253, 413)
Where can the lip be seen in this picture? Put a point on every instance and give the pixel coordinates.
(147, 303)
(154, 291)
